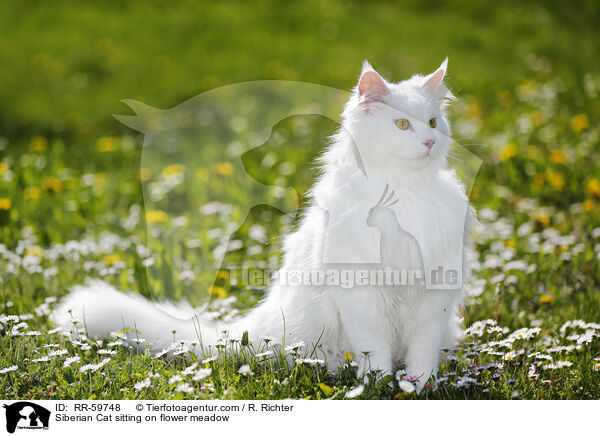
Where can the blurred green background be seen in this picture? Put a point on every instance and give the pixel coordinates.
(66, 65)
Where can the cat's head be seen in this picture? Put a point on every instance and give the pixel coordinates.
(400, 125)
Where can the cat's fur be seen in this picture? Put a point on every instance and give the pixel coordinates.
(381, 325)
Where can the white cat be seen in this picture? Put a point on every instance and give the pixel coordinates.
(386, 199)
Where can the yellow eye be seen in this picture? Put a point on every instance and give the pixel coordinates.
(402, 124)
(432, 123)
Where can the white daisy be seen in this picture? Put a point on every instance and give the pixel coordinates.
(406, 386)
(184, 387)
(8, 369)
(143, 384)
(202, 374)
(245, 370)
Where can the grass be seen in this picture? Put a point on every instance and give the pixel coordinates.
(71, 189)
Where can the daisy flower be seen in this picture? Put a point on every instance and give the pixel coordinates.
(71, 360)
(143, 384)
(312, 362)
(245, 370)
(264, 356)
(176, 378)
(295, 346)
(184, 387)
(406, 386)
(8, 369)
(202, 374)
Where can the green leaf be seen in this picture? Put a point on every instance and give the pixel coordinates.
(327, 390)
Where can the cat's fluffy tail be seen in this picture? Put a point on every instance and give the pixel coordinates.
(98, 309)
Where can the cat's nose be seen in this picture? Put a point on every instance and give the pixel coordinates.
(429, 143)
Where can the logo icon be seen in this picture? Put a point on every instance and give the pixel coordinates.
(26, 415)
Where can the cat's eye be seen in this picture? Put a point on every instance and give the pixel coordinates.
(402, 124)
(432, 123)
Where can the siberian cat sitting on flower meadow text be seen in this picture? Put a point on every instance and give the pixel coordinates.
(385, 200)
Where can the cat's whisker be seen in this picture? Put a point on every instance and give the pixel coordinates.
(457, 145)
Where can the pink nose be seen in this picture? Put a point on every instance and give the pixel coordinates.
(429, 143)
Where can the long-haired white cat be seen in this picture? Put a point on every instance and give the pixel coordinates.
(385, 198)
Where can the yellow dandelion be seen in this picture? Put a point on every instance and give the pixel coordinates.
(3, 168)
(5, 203)
(546, 298)
(172, 170)
(593, 186)
(218, 291)
(52, 184)
(558, 156)
(589, 205)
(508, 152)
(348, 356)
(556, 180)
(222, 274)
(156, 216)
(543, 218)
(38, 143)
(510, 243)
(31, 193)
(145, 174)
(224, 168)
(579, 122)
(34, 251)
(111, 258)
(107, 143)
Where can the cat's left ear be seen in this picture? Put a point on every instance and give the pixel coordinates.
(434, 83)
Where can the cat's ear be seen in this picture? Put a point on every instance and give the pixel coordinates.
(371, 86)
(434, 83)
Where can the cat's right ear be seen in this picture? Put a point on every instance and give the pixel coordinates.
(371, 86)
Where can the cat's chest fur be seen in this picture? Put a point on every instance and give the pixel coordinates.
(433, 213)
